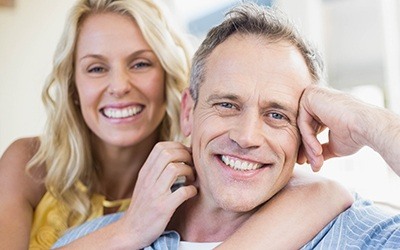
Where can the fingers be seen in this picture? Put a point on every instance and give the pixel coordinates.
(311, 149)
(182, 194)
(327, 152)
(306, 154)
(310, 126)
(163, 154)
(166, 163)
(172, 172)
(152, 199)
(301, 155)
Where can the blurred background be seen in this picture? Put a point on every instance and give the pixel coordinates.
(360, 41)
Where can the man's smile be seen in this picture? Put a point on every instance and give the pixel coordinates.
(240, 164)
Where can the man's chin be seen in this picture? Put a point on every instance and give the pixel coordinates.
(239, 205)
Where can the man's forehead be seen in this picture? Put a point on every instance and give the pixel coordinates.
(245, 66)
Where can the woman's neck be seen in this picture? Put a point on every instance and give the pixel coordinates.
(118, 167)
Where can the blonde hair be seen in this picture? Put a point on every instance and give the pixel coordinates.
(65, 145)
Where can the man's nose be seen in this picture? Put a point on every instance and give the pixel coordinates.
(247, 132)
(120, 83)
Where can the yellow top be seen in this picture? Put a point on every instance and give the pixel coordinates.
(50, 218)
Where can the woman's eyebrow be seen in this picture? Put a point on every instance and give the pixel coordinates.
(99, 56)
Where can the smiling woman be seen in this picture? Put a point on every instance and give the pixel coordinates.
(121, 90)
(113, 93)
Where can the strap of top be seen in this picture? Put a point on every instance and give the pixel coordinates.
(99, 201)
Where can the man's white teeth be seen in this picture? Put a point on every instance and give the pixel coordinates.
(240, 164)
(122, 113)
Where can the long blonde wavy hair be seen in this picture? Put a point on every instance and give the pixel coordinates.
(65, 147)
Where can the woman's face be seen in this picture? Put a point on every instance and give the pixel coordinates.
(120, 81)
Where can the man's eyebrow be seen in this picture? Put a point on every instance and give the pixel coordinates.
(214, 97)
(134, 54)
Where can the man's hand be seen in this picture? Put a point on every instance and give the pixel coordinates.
(342, 114)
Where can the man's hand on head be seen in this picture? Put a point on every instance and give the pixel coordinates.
(322, 108)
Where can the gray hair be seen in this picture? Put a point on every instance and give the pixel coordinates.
(252, 19)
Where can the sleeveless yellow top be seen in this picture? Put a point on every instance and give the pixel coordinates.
(50, 218)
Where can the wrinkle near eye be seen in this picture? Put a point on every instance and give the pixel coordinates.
(205, 114)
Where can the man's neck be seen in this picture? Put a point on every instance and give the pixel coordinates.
(197, 221)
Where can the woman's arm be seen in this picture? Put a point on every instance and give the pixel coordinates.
(152, 204)
(293, 216)
(19, 193)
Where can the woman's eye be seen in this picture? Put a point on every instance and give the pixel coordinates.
(96, 70)
(140, 65)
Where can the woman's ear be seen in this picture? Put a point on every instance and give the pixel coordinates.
(75, 96)
(187, 105)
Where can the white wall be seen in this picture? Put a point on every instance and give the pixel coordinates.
(359, 39)
(29, 33)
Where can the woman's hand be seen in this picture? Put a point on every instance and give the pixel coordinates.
(153, 202)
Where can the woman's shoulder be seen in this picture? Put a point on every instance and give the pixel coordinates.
(13, 173)
(21, 151)
(27, 145)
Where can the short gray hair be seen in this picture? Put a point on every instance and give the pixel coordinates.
(251, 19)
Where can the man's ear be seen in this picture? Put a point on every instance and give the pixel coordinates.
(187, 105)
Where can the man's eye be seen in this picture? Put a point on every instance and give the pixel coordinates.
(226, 108)
(96, 70)
(226, 105)
(276, 116)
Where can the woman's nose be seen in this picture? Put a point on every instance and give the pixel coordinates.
(120, 83)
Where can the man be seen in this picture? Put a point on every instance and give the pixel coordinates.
(246, 83)
(252, 104)
(247, 79)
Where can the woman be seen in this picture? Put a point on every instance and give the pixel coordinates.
(113, 93)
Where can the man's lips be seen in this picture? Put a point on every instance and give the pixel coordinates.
(241, 164)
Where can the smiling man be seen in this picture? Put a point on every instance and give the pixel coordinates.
(252, 87)
(241, 111)
(243, 123)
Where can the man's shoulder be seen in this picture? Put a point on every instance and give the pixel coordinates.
(363, 225)
(168, 240)
(86, 228)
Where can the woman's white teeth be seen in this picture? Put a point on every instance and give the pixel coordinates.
(122, 113)
(240, 164)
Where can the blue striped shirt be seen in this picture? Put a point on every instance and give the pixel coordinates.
(362, 226)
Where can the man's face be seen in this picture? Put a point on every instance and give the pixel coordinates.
(244, 133)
